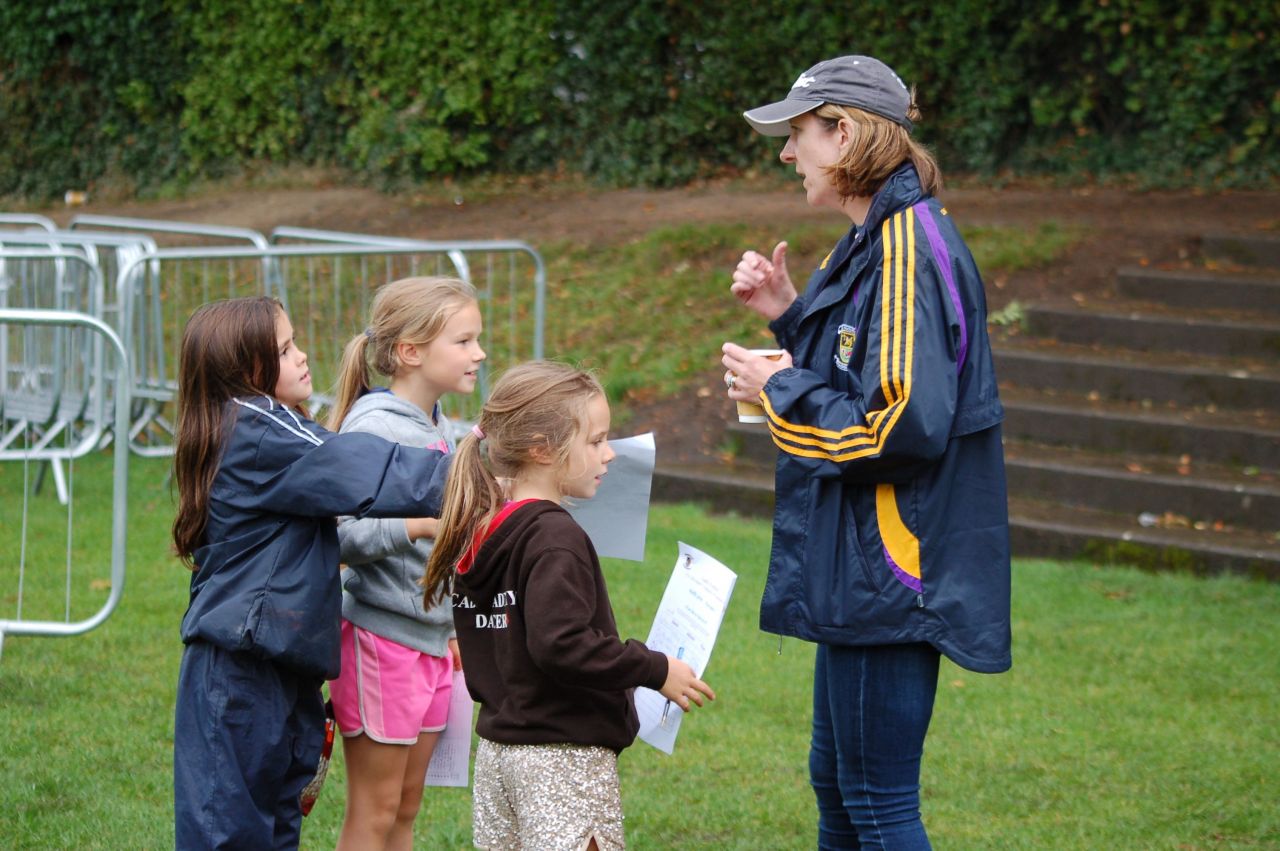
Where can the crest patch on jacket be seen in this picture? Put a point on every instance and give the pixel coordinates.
(846, 336)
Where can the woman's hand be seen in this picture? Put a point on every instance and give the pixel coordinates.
(764, 285)
(682, 687)
(749, 372)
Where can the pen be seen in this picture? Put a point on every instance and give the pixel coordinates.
(666, 707)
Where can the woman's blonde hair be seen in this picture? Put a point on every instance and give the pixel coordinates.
(410, 310)
(878, 147)
(535, 411)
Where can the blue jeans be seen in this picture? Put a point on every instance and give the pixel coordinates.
(871, 710)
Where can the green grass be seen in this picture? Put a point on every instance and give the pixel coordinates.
(652, 313)
(1140, 713)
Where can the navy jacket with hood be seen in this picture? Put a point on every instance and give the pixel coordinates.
(892, 518)
(266, 579)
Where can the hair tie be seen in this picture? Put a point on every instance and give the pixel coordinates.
(368, 333)
(477, 431)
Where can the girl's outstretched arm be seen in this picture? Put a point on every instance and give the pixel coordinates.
(279, 462)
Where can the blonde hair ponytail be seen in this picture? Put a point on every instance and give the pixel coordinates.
(353, 380)
(472, 497)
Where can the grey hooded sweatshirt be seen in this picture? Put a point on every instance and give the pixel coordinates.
(380, 586)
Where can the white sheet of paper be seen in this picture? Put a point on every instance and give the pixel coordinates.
(451, 760)
(685, 626)
(617, 517)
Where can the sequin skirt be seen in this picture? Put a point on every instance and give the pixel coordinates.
(546, 798)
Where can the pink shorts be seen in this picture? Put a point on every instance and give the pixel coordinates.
(387, 691)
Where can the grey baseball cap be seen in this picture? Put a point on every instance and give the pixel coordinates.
(859, 81)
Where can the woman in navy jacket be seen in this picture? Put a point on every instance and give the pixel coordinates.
(891, 530)
(260, 486)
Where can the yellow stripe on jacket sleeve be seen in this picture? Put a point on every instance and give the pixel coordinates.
(887, 274)
(893, 305)
(897, 349)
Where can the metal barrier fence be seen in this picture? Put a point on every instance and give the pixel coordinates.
(108, 251)
(148, 292)
(52, 408)
(89, 329)
(494, 267)
(217, 234)
(26, 220)
(49, 561)
(329, 288)
(189, 234)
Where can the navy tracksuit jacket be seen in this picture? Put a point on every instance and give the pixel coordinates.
(262, 627)
(892, 517)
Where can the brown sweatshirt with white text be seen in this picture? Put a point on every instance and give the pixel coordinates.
(539, 644)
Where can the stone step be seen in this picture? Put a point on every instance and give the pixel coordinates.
(1185, 379)
(1051, 530)
(1146, 328)
(1037, 528)
(1197, 289)
(1251, 249)
(1238, 439)
(1155, 487)
(738, 488)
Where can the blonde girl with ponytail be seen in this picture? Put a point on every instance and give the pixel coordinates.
(398, 656)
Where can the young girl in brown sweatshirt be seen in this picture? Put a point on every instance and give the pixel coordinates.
(544, 660)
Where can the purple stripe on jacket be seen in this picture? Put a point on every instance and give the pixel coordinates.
(943, 258)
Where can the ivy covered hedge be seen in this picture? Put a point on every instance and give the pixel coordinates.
(641, 91)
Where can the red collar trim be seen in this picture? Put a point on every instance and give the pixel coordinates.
(464, 564)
